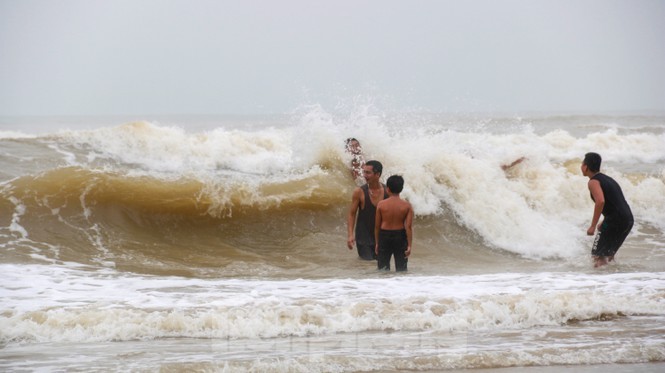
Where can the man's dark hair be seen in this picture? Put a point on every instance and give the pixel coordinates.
(377, 167)
(592, 161)
(395, 183)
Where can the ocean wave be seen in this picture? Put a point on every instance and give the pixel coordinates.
(537, 209)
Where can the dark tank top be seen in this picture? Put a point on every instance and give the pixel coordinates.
(367, 218)
(616, 210)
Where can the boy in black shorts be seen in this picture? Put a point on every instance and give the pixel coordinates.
(393, 227)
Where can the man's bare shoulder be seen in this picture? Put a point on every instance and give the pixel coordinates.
(357, 197)
(357, 191)
(404, 202)
(593, 183)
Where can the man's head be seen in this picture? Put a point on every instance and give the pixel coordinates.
(372, 169)
(395, 184)
(591, 162)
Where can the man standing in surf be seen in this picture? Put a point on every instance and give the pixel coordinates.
(362, 212)
(393, 229)
(610, 202)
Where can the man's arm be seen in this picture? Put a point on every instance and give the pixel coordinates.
(599, 198)
(351, 218)
(408, 225)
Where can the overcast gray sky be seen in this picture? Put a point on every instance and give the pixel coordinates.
(87, 57)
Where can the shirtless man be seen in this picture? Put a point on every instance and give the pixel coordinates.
(609, 201)
(363, 207)
(393, 227)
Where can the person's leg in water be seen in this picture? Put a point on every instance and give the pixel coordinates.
(607, 242)
(392, 244)
(366, 252)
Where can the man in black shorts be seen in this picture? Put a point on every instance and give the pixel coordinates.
(609, 200)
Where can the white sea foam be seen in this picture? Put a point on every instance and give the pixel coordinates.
(170, 149)
(19, 210)
(613, 146)
(69, 304)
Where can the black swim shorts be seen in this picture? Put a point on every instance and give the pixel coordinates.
(609, 239)
(392, 243)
